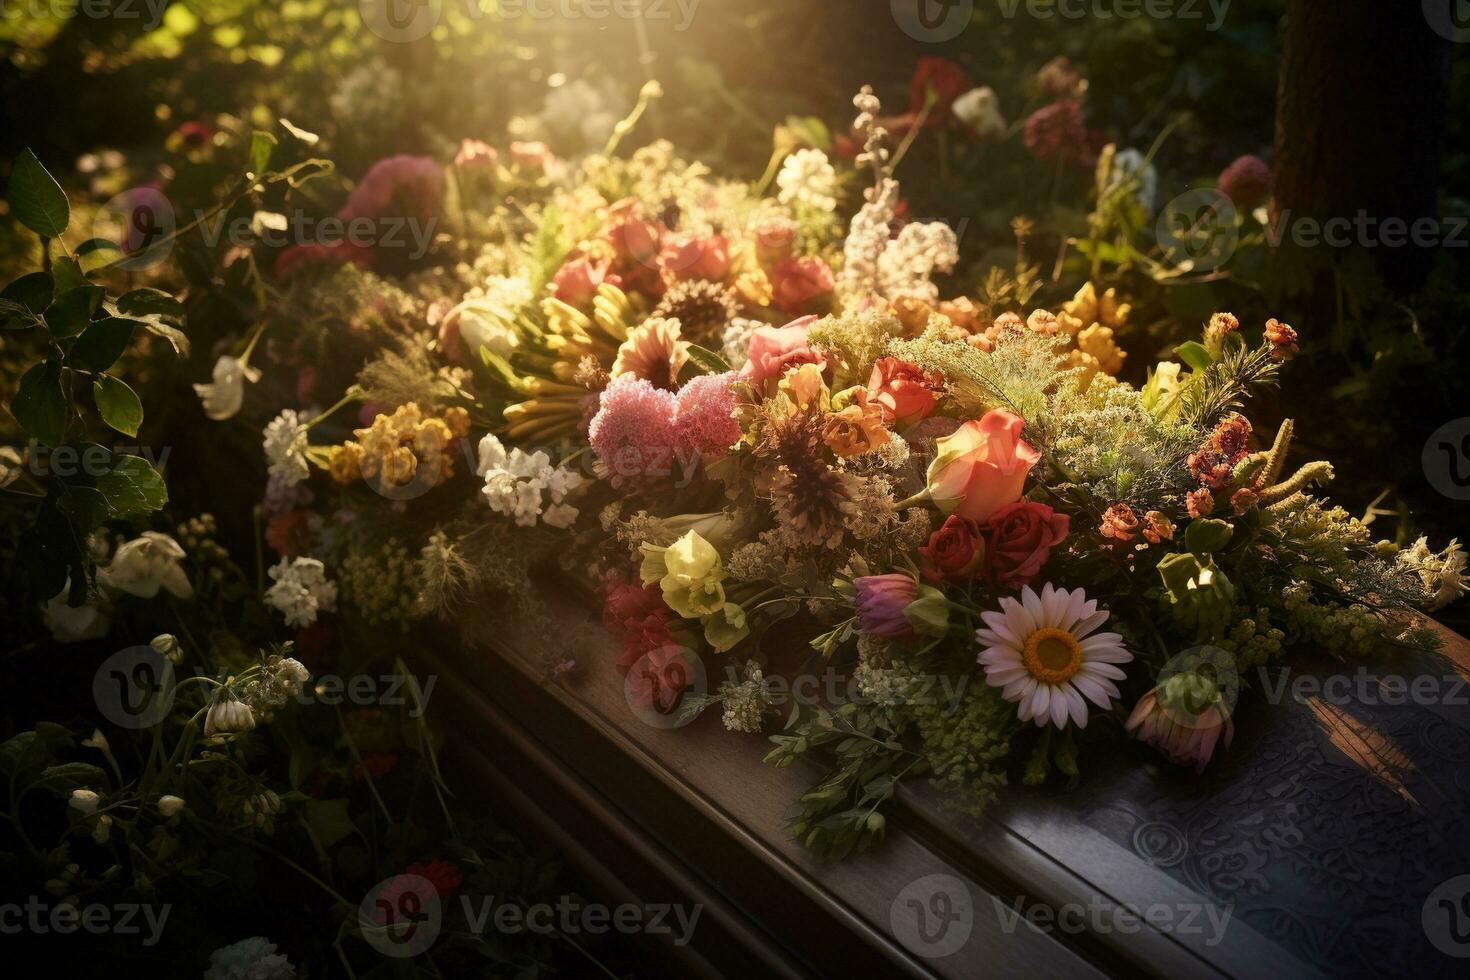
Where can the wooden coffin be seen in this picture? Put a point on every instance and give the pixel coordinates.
(1327, 842)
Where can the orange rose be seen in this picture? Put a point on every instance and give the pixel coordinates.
(981, 466)
(905, 392)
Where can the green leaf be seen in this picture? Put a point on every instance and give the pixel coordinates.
(132, 487)
(118, 404)
(72, 311)
(160, 314)
(148, 302)
(68, 274)
(36, 199)
(262, 144)
(67, 776)
(708, 359)
(101, 344)
(40, 406)
(34, 291)
(1194, 354)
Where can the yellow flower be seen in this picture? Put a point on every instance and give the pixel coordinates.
(726, 627)
(689, 573)
(804, 386)
(1099, 350)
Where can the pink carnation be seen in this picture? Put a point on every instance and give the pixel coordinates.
(705, 415)
(633, 433)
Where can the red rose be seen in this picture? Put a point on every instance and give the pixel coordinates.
(1019, 539)
(954, 551)
(796, 284)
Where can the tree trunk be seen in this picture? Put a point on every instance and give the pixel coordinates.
(1360, 114)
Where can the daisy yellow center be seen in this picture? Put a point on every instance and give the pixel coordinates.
(1052, 655)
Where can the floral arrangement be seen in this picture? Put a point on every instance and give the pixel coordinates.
(727, 408)
(739, 413)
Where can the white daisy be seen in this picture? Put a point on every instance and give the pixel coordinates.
(1043, 653)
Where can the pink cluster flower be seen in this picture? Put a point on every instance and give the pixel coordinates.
(1246, 182)
(633, 432)
(705, 415)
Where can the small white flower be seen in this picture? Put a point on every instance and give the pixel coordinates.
(516, 481)
(301, 590)
(98, 741)
(144, 565)
(249, 959)
(979, 109)
(1043, 653)
(228, 718)
(84, 800)
(285, 448)
(73, 624)
(168, 645)
(1443, 573)
(808, 178)
(170, 805)
(223, 396)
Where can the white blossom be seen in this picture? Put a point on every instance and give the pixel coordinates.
(808, 179)
(909, 261)
(979, 109)
(1443, 572)
(301, 590)
(144, 565)
(73, 624)
(285, 448)
(525, 486)
(249, 959)
(223, 396)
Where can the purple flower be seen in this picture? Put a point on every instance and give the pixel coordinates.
(881, 600)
